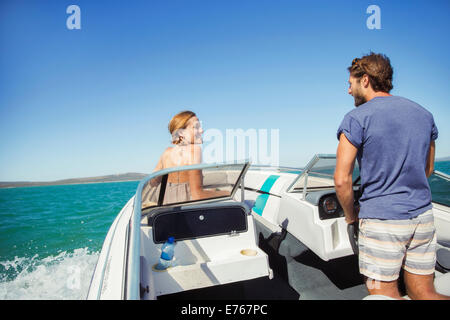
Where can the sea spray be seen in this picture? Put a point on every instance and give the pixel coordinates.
(65, 276)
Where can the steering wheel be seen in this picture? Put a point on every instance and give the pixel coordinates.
(353, 230)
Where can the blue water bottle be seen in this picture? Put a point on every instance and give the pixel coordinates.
(167, 252)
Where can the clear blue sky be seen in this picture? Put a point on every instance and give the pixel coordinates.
(97, 101)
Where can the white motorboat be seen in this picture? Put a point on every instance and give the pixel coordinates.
(270, 232)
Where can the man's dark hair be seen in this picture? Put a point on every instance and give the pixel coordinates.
(377, 67)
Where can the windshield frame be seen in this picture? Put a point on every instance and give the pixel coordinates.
(309, 168)
(244, 165)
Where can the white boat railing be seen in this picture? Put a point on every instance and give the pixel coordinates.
(442, 175)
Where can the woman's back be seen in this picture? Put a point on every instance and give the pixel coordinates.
(180, 156)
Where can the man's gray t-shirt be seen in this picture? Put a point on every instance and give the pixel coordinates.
(393, 137)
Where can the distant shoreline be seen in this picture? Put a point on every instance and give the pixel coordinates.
(63, 184)
(127, 177)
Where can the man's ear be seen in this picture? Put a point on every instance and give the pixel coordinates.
(365, 81)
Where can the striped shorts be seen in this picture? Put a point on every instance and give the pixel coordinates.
(385, 246)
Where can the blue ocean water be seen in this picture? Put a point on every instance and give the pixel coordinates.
(51, 236)
(442, 166)
(440, 189)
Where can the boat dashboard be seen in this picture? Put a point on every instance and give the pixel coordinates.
(328, 203)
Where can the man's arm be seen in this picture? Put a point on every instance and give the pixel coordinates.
(430, 160)
(343, 180)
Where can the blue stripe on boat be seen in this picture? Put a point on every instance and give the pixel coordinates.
(261, 201)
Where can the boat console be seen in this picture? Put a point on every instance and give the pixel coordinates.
(196, 222)
(328, 203)
(215, 245)
(215, 236)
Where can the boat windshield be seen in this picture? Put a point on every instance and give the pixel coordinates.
(192, 183)
(319, 174)
(440, 188)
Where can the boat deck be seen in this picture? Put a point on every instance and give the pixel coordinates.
(306, 277)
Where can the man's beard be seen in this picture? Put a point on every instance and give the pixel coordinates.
(359, 99)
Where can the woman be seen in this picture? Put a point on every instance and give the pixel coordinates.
(186, 132)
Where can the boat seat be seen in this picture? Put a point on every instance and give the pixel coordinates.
(443, 258)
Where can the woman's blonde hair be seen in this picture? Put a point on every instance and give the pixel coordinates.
(179, 122)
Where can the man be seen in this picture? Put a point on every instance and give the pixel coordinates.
(393, 140)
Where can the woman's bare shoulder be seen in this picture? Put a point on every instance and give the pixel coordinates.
(181, 155)
(165, 156)
(167, 151)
